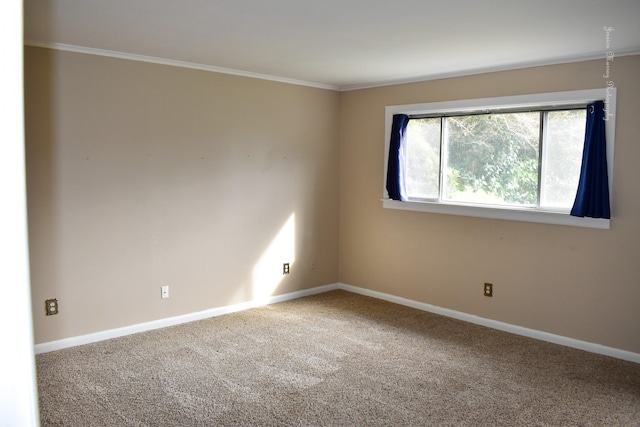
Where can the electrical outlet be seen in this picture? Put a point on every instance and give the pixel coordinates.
(165, 291)
(51, 306)
(285, 268)
(488, 289)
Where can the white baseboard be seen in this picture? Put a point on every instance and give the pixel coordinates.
(494, 324)
(177, 320)
(171, 321)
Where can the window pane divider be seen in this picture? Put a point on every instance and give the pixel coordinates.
(444, 153)
(541, 154)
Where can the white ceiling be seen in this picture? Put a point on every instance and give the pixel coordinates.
(340, 44)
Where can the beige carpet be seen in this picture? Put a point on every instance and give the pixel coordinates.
(335, 359)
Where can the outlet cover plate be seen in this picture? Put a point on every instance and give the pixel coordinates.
(51, 306)
(488, 289)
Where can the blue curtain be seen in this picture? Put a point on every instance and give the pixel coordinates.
(592, 197)
(395, 166)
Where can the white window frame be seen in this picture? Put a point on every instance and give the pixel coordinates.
(533, 101)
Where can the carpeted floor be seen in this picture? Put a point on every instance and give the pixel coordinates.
(334, 359)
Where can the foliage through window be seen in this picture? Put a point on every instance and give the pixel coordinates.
(517, 158)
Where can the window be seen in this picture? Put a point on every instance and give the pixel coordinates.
(516, 158)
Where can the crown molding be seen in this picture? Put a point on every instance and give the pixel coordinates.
(340, 88)
(175, 63)
(485, 70)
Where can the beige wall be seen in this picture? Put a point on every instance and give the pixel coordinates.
(142, 175)
(575, 282)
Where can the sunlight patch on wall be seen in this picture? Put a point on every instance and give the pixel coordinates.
(267, 273)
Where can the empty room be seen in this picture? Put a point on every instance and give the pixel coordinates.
(327, 213)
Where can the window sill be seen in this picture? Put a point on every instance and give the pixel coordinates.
(497, 212)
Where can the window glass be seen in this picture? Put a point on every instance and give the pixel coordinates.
(423, 158)
(495, 158)
(492, 158)
(564, 139)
